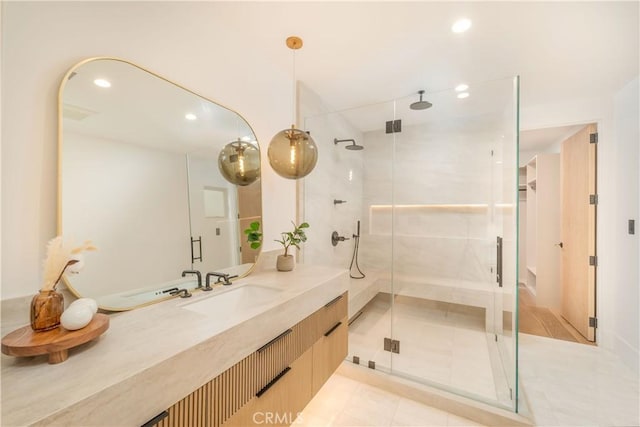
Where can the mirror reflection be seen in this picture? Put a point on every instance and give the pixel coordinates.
(140, 178)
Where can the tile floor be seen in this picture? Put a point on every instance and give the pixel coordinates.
(572, 384)
(348, 403)
(566, 384)
(442, 343)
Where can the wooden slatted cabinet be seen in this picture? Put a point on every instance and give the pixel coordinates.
(272, 385)
(280, 403)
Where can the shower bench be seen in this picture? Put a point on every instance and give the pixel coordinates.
(455, 291)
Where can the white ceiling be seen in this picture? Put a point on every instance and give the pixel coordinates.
(358, 53)
(365, 52)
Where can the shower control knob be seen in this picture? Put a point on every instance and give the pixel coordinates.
(335, 238)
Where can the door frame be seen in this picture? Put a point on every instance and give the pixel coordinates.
(600, 126)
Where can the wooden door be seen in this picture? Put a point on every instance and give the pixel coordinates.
(578, 183)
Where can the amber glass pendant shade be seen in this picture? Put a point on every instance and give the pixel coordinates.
(239, 163)
(292, 153)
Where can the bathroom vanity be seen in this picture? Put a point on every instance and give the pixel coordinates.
(261, 346)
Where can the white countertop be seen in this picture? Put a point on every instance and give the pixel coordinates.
(151, 357)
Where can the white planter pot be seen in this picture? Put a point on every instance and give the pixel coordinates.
(285, 262)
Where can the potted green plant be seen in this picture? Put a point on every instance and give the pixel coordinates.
(286, 261)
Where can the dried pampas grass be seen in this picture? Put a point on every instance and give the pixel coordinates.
(59, 257)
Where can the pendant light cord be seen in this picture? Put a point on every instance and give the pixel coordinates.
(293, 92)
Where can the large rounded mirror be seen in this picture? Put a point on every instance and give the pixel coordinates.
(139, 177)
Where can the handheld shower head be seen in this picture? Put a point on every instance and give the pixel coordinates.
(352, 146)
(420, 105)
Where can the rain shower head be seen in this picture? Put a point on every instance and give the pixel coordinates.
(352, 146)
(420, 105)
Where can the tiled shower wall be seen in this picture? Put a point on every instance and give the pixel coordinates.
(423, 196)
(439, 180)
(337, 176)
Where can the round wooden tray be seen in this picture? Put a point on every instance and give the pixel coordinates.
(56, 342)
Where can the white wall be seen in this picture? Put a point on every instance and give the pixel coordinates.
(42, 40)
(1, 121)
(626, 295)
(337, 176)
(611, 184)
(131, 202)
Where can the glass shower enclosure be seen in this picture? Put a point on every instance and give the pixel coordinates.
(428, 212)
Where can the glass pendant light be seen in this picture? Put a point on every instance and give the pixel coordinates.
(292, 152)
(239, 162)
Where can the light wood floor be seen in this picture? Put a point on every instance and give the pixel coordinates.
(543, 321)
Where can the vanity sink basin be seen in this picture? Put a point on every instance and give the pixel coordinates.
(235, 301)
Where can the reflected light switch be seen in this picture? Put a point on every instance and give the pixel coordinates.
(217, 231)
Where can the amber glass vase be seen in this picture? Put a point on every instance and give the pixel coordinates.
(46, 309)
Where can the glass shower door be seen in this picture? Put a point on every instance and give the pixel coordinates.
(504, 213)
(507, 202)
(452, 204)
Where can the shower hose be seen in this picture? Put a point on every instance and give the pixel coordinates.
(354, 258)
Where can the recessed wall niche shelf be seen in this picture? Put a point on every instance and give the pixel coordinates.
(445, 208)
(383, 217)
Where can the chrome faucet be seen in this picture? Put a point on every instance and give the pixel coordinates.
(197, 273)
(222, 278)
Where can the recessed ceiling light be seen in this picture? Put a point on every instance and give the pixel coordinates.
(461, 25)
(463, 95)
(102, 83)
(190, 116)
(462, 87)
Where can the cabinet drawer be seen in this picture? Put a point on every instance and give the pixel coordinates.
(328, 352)
(330, 314)
(273, 357)
(279, 403)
